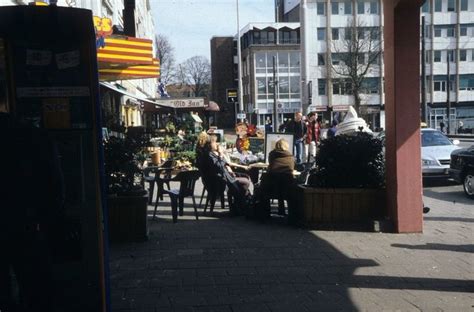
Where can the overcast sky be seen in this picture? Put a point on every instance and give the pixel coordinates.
(190, 24)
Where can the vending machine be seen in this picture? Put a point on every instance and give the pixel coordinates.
(49, 79)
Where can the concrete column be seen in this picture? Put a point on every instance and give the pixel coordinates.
(402, 105)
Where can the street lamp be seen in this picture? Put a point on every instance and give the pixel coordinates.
(239, 67)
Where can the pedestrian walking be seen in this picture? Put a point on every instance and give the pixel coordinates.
(298, 128)
(312, 135)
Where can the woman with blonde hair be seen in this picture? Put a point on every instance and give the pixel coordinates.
(280, 159)
(278, 182)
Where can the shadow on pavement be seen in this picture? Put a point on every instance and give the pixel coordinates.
(458, 248)
(218, 263)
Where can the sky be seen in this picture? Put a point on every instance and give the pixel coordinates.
(190, 24)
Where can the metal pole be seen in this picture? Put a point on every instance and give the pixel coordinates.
(424, 107)
(448, 128)
(239, 57)
(275, 85)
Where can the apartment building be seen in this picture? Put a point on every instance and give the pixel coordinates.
(328, 31)
(449, 33)
(271, 66)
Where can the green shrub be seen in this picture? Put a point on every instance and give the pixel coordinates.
(349, 161)
(186, 155)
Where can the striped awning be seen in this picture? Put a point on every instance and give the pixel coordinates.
(125, 50)
(131, 72)
(124, 58)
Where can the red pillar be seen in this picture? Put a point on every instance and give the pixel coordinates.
(402, 109)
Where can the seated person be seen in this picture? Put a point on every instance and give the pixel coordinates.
(279, 180)
(215, 163)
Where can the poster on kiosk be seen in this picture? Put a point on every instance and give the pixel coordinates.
(53, 228)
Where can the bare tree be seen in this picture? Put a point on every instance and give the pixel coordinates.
(354, 57)
(165, 53)
(195, 72)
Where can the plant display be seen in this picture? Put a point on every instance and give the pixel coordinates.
(189, 156)
(349, 161)
(122, 164)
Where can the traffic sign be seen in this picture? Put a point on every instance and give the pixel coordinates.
(231, 95)
(241, 116)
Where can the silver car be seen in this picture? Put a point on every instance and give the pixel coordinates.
(436, 151)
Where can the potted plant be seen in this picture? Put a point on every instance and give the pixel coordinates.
(127, 198)
(348, 183)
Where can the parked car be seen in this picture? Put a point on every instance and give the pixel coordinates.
(436, 151)
(462, 169)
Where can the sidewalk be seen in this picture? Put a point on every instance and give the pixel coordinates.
(221, 263)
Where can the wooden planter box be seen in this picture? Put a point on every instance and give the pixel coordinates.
(128, 218)
(325, 206)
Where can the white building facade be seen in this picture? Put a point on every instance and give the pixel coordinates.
(449, 28)
(449, 33)
(262, 45)
(325, 25)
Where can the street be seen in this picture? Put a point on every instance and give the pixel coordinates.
(447, 197)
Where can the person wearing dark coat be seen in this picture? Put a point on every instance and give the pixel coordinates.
(278, 182)
(333, 129)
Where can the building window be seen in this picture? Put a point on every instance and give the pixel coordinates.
(321, 86)
(321, 59)
(295, 85)
(466, 82)
(348, 8)
(321, 8)
(335, 34)
(348, 33)
(451, 6)
(463, 31)
(374, 33)
(336, 58)
(370, 85)
(438, 5)
(283, 62)
(450, 32)
(361, 58)
(462, 55)
(439, 86)
(321, 33)
(341, 87)
(437, 32)
(426, 7)
(437, 56)
(374, 7)
(360, 7)
(295, 61)
(464, 5)
(335, 8)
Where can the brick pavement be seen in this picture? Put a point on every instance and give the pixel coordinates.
(219, 263)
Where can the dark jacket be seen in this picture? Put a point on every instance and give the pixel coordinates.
(281, 162)
(298, 128)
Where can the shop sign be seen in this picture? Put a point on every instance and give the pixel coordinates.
(103, 28)
(182, 103)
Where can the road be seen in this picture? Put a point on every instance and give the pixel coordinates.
(447, 197)
(466, 142)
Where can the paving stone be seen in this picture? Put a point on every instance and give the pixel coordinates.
(219, 263)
